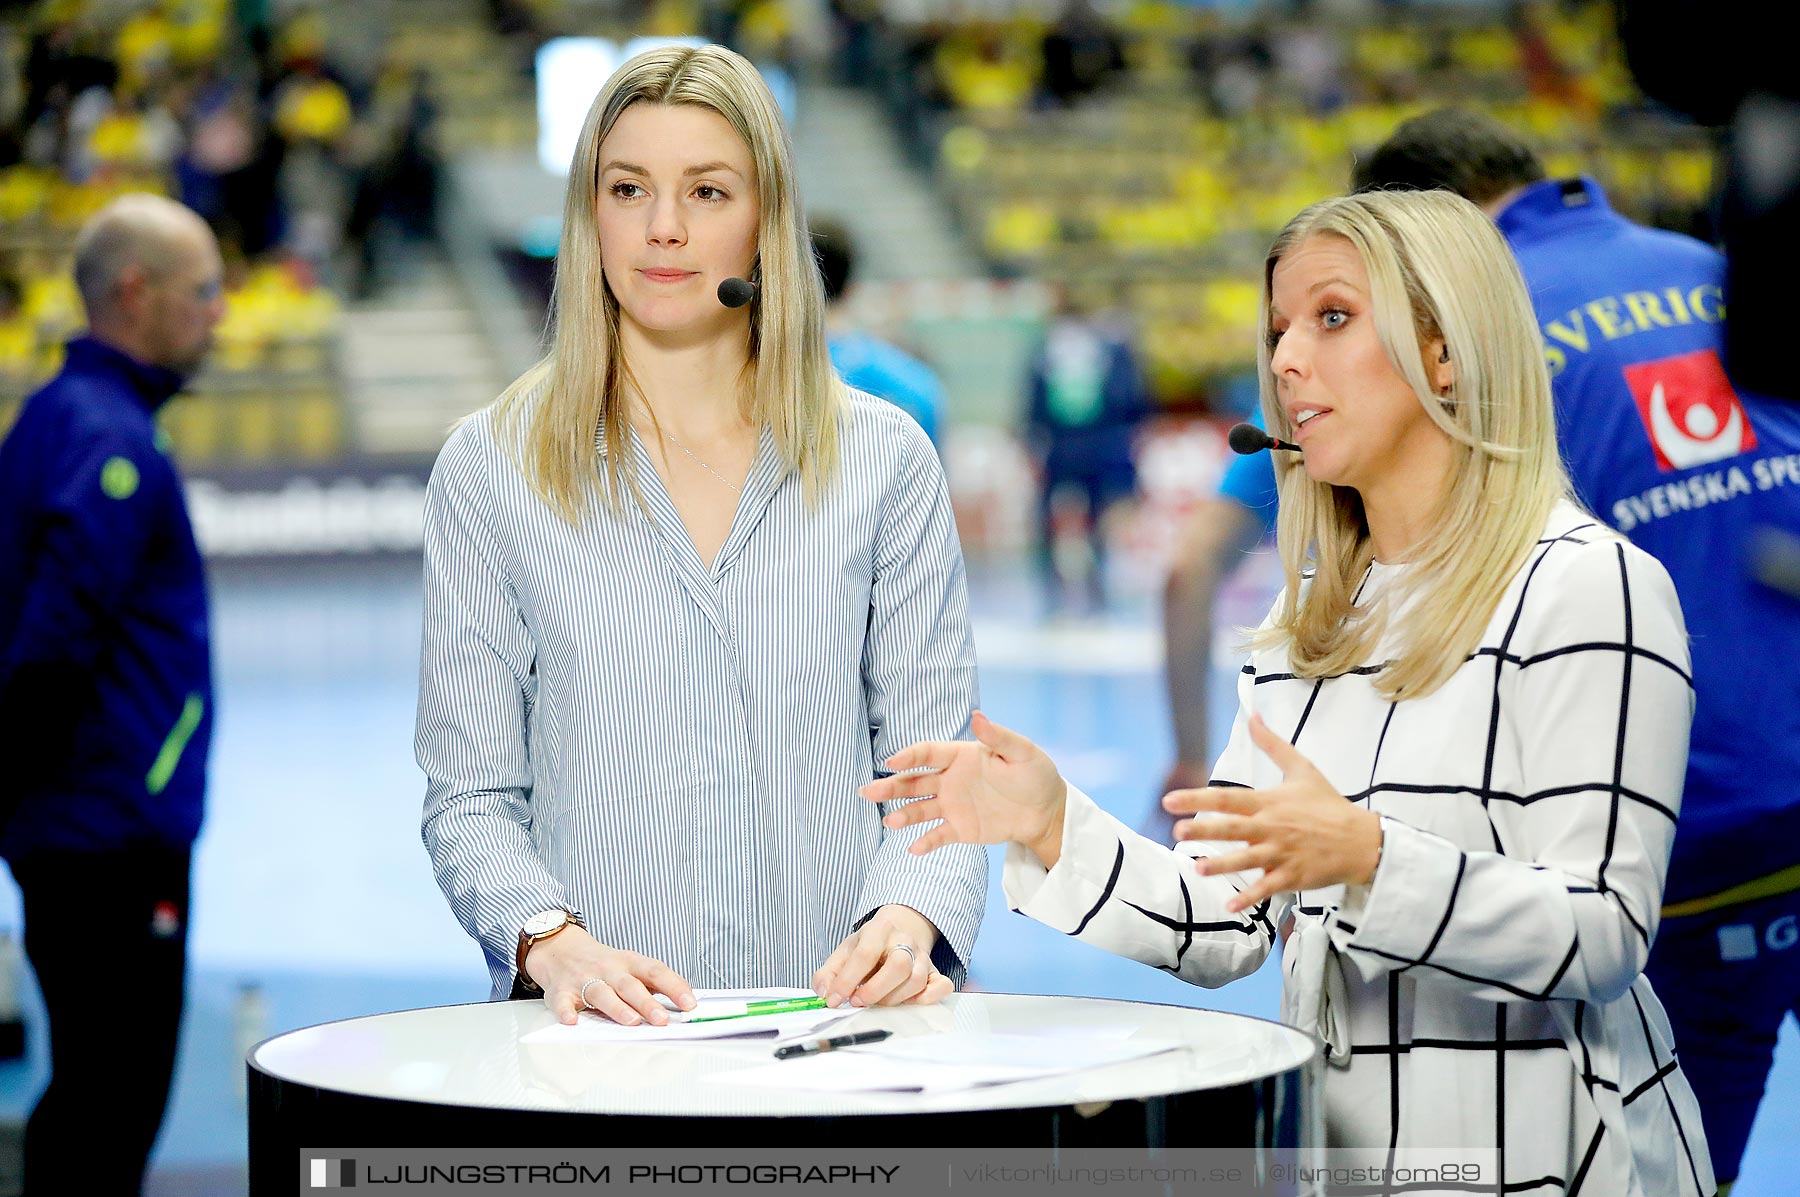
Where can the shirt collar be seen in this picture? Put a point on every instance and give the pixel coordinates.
(153, 386)
(1551, 204)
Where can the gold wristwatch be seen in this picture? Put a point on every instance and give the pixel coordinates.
(538, 927)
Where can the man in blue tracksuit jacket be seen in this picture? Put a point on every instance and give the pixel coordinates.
(1663, 447)
(106, 688)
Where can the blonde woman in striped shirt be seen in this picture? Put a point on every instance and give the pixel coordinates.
(683, 589)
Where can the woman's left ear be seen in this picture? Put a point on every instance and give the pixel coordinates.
(1443, 371)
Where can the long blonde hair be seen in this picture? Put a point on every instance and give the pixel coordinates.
(1437, 268)
(552, 414)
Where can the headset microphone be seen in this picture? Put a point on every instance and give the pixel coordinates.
(1248, 438)
(736, 292)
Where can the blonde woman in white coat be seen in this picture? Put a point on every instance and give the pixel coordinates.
(1459, 749)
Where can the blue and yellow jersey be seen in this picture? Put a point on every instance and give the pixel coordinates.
(1663, 447)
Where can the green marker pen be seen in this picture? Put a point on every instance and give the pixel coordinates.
(719, 1010)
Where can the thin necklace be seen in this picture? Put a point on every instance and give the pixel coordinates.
(735, 488)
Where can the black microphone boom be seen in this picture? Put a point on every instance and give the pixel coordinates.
(736, 292)
(1248, 438)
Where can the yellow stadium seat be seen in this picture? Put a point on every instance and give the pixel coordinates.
(315, 422)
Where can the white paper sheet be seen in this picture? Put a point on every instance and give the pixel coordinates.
(594, 1027)
(954, 1060)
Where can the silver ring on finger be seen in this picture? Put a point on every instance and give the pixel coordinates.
(585, 1004)
(912, 957)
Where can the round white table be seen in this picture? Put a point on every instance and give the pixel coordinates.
(460, 1074)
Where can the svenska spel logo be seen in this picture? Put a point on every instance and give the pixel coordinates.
(332, 1174)
(1689, 409)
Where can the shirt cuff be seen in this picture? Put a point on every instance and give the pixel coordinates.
(1403, 908)
(1060, 896)
(948, 887)
(502, 940)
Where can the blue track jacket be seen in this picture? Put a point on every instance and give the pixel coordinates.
(105, 668)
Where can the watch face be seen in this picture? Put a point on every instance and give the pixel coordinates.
(543, 924)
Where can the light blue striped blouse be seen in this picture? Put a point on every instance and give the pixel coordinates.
(672, 751)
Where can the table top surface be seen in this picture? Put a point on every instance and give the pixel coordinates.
(471, 1056)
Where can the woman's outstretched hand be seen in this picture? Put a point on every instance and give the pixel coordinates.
(1302, 834)
(1000, 789)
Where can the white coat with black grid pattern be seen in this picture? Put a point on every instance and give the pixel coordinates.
(1486, 989)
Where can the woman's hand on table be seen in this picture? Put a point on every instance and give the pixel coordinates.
(577, 972)
(884, 962)
(1000, 789)
(1302, 834)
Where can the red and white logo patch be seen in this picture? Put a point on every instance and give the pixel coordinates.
(1689, 409)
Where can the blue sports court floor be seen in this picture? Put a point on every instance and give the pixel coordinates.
(314, 899)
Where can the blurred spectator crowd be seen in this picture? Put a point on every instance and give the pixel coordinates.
(1141, 155)
(241, 111)
(1135, 155)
